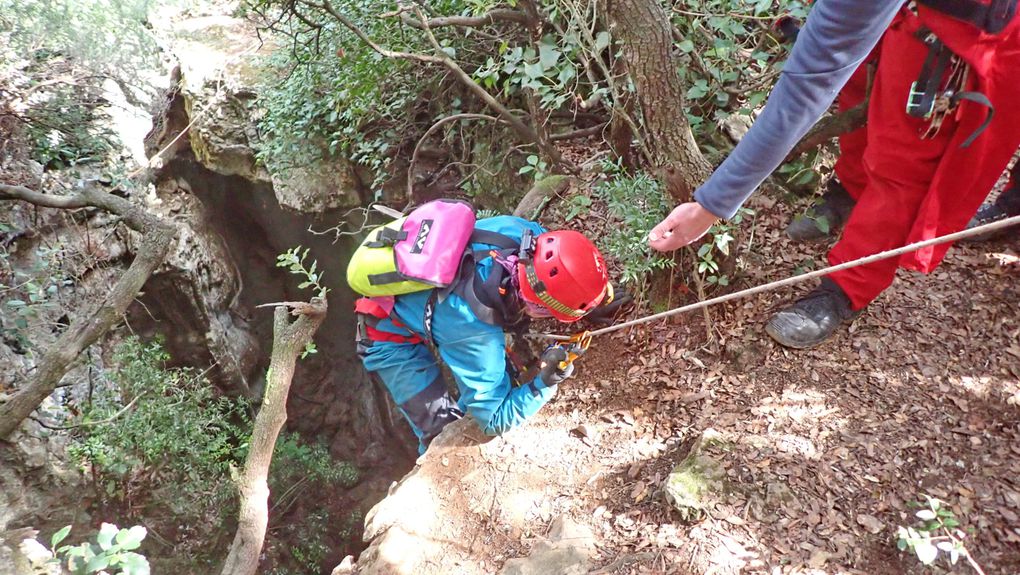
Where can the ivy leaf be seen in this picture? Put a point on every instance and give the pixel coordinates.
(134, 564)
(548, 55)
(97, 563)
(602, 41)
(686, 46)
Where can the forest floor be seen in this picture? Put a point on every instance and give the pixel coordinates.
(822, 450)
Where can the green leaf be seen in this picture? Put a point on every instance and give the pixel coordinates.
(106, 534)
(926, 552)
(951, 522)
(97, 563)
(548, 55)
(16, 303)
(602, 40)
(131, 538)
(59, 536)
(901, 544)
(134, 564)
(686, 46)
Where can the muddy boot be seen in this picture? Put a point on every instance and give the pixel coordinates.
(1005, 206)
(825, 218)
(813, 318)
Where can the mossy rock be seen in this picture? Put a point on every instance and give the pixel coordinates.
(695, 485)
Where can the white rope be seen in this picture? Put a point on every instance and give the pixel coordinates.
(797, 279)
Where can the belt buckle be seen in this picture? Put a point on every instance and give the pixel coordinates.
(915, 100)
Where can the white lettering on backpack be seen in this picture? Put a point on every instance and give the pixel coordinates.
(423, 233)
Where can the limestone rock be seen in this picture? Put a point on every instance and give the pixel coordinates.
(567, 551)
(317, 188)
(215, 100)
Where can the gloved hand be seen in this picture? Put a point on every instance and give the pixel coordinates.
(606, 313)
(550, 371)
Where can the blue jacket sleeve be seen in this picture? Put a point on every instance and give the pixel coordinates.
(479, 364)
(838, 36)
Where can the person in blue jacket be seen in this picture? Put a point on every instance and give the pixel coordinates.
(556, 274)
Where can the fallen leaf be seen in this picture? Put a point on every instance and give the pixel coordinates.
(871, 523)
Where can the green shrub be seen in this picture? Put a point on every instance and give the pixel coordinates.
(636, 204)
(160, 438)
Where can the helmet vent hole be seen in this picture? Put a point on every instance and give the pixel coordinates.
(548, 255)
(582, 306)
(553, 272)
(549, 240)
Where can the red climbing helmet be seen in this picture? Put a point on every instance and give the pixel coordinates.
(566, 275)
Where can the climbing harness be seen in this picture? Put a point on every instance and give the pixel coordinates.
(940, 87)
(977, 230)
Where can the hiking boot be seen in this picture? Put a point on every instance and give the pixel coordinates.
(813, 318)
(1005, 206)
(825, 218)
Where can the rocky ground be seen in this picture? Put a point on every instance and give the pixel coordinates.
(811, 458)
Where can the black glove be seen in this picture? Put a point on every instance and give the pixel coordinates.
(550, 371)
(606, 313)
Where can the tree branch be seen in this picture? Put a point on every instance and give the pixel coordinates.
(429, 132)
(8, 192)
(289, 339)
(491, 17)
(87, 328)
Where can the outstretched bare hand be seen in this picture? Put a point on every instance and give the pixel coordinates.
(686, 223)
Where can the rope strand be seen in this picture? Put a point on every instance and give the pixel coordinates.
(797, 279)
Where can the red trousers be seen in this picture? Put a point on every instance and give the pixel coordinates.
(910, 188)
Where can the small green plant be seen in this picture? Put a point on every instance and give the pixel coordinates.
(720, 236)
(936, 533)
(534, 165)
(111, 553)
(294, 260)
(576, 206)
(636, 203)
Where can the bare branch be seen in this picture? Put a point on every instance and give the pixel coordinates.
(91, 325)
(8, 192)
(289, 339)
(429, 132)
(489, 18)
(582, 133)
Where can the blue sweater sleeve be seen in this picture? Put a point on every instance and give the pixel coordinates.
(838, 36)
(478, 362)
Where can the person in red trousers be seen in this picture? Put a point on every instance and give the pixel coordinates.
(943, 124)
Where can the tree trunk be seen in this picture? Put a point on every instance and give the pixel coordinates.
(643, 27)
(88, 328)
(289, 339)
